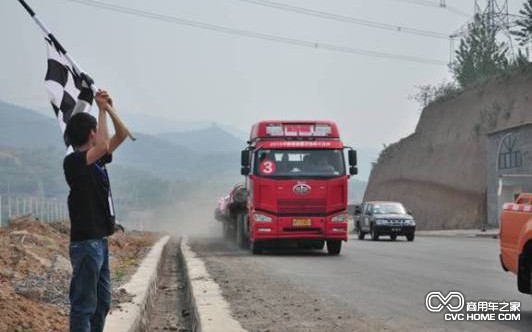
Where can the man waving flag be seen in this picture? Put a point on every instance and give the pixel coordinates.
(68, 91)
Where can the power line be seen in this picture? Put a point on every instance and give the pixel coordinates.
(441, 4)
(253, 34)
(346, 19)
(420, 2)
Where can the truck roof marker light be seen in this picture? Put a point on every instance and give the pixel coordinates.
(274, 130)
(322, 130)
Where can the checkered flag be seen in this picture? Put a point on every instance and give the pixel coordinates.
(67, 89)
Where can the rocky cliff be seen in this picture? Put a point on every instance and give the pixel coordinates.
(439, 172)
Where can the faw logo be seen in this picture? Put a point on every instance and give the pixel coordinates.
(302, 189)
(436, 301)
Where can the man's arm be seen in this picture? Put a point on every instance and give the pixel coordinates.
(101, 139)
(120, 131)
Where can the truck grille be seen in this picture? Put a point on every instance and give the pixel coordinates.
(302, 206)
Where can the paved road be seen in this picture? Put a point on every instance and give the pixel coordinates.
(388, 281)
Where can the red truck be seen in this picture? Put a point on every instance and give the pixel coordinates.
(296, 186)
(516, 240)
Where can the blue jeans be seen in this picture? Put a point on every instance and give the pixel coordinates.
(90, 288)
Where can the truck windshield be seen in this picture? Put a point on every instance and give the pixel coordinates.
(299, 163)
(388, 208)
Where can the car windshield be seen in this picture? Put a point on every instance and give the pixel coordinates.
(388, 208)
(299, 163)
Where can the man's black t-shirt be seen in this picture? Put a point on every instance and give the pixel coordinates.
(89, 201)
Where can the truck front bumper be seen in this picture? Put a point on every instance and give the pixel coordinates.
(294, 228)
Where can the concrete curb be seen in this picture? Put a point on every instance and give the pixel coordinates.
(143, 284)
(210, 311)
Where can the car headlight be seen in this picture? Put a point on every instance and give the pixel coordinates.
(381, 221)
(261, 217)
(340, 218)
(410, 222)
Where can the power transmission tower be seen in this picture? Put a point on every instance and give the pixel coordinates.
(500, 21)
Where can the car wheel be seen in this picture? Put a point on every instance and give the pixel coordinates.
(410, 237)
(334, 247)
(393, 237)
(361, 234)
(374, 234)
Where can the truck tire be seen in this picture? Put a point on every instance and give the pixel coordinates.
(334, 247)
(410, 237)
(530, 277)
(374, 234)
(256, 248)
(241, 236)
(228, 231)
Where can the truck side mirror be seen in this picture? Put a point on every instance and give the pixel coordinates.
(358, 209)
(245, 162)
(353, 170)
(244, 158)
(352, 155)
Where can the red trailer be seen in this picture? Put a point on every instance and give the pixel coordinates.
(296, 181)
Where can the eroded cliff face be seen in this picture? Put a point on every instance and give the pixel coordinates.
(439, 172)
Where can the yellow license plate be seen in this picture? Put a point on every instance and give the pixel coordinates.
(302, 222)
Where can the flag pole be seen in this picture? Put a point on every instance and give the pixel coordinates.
(73, 62)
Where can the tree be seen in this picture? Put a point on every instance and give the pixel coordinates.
(523, 33)
(479, 55)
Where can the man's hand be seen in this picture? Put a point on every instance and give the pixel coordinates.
(103, 100)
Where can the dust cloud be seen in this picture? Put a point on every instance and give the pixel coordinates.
(192, 216)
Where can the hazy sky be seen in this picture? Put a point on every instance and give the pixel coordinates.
(189, 74)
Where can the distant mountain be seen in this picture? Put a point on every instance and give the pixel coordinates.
(22, 127)
(207, 140)
(155, 125)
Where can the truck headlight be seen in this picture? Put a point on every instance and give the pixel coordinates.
(381, 221)
(340, 218)
(261, 218)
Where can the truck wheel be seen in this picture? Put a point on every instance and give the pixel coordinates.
(241, 236)
(410, 237)
(361, 234)
(227, 230)
(256, 248)
(334, 247)
(374, 235)
(393, 237)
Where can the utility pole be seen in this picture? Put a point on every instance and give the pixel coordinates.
(500, 21)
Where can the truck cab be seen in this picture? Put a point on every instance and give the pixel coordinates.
(296, 176)
(516, 240)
